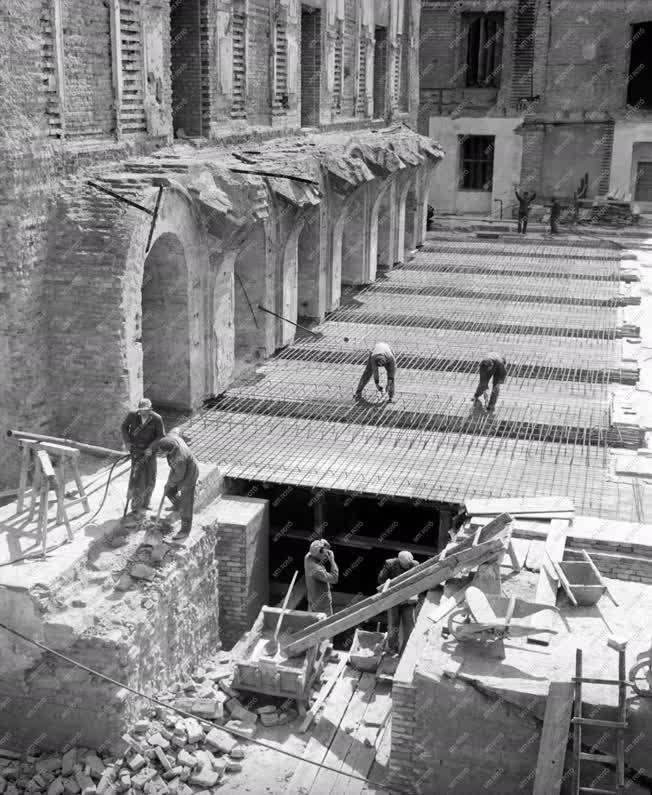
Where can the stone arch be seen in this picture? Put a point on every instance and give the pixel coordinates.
(164, 312)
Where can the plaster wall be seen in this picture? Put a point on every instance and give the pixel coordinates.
(445, 196)
(623, 158)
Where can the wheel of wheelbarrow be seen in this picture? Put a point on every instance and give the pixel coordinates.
(456, 619)
(641, 678)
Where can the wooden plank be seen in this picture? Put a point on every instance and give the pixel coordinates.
(554, 739)
(535, 555)
(594, 568)
(548, 584)
(379, 768)
(521, 547)
(327, 781)
(423, 579)
(366, 741)
(305, 773)
(565, 584)
(323, 693)
(530, 505)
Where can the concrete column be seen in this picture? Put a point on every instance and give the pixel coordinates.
(445, 524)
(312, 282)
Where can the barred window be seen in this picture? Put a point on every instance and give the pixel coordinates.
(484, 48)
(477, 162)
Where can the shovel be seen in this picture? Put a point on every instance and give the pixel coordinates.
(272, 645)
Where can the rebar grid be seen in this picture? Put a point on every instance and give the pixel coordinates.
(299, 425)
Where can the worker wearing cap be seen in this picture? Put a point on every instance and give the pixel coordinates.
(319, 578)
(492, 368)
(380, 356)
(141, 430)
(401, 617)
(182, 480)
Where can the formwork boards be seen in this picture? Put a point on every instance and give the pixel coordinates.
(296, 422)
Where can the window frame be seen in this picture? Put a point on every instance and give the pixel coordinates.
(477, 163)
(486, 69)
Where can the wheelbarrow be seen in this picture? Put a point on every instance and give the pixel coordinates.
(490, 618)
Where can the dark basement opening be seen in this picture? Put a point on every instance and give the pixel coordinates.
(363, 531)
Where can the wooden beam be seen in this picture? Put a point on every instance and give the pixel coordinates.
(595, 570)
(421, 578)
(548, 584)
(554, 739)
(524, 505)
(45, 463)
(323, 694)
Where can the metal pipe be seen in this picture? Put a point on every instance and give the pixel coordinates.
(84, 448)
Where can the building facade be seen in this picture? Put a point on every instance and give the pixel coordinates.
(179, 173)
(550, 94)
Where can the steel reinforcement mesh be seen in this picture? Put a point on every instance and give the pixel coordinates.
(553, 315)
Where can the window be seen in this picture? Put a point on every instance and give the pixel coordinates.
(484, 49)
(639, 83)
(477, 166)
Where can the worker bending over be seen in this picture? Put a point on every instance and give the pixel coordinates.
(182, 480)
(318, 578)
(399, 618)
(381, 356)
(492, 368)
(141, 430)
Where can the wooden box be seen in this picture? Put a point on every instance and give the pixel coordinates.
(260, 668)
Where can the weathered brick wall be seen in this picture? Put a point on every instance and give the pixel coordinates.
(349, 61)
(310, 55)
(87, 65)
(629, 562)
(243, 561)
(172, 626)
(187, 73)
(258, 63)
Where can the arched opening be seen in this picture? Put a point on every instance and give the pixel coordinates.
(411, 206)
(354, 268)
(165, 325)
(253, 327)
(384, 255)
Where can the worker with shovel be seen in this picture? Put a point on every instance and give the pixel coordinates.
(400, 619)
(381, 356)
(492, 368)
(318, 578)
(141, 430)
(182, 480)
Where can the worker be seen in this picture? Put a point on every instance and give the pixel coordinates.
(141, 430)
(380, 356)
(492, 368)
(400, 619)
(555, 213)
(182, 480)
(525, 200)
(318, 578)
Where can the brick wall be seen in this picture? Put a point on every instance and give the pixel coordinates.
(87, 65)
(350, 58)
(258, 63)
(186, 66)
(310, 60)
(170, 628)
(243, 562)
(381, 62)
(629, 562)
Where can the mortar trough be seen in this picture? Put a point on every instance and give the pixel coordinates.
(275, 674)
(586, 586)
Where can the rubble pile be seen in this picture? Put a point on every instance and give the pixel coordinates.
(612, 213)
(165, 752)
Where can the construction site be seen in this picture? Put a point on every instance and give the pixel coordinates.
(311, 486)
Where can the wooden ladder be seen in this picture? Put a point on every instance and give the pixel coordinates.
(618, 726)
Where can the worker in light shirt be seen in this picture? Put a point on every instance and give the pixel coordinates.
(381, 356)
